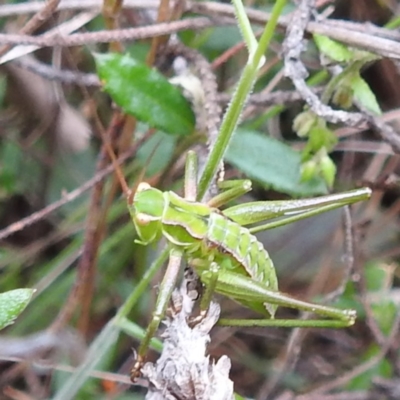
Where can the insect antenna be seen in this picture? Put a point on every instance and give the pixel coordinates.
(129, 192)
(114, 160)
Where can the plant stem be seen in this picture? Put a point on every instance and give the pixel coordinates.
(246, 83)
(245, 27)
(108, 336)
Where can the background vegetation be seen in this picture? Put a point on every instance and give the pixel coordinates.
(64, 226)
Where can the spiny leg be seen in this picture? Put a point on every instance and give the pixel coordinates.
(166, 288)
(242, 288)
(291, 210)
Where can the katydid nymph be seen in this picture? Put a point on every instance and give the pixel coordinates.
(227, 257)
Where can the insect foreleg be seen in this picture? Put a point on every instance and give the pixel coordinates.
(166, 288)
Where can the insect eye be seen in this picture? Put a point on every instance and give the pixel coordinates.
(143, 186)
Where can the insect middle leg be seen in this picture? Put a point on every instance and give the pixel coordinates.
(208, 293)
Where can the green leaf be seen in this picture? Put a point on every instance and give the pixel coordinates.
(378, 277)
(364, 95)
(303, 123)
(333, 49)
(12, 304)
(384, 311)
(145, 93)
(328, 170)
(321, 136)
(271, 163)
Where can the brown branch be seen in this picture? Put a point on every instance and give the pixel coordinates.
(292, 48)
(296, 71)
(9, 10)
(52, 73)
(90, 244)
(82, 293)
(123, 35)
(111, 10)
(368, 37)
(49, 7)
(71, 196)
(35, 22)
(66, 76)
(364, 36)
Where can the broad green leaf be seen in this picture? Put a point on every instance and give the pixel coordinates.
(271, 163)
(12, 303)
(333, 49)
(145, 93)
(364, 95)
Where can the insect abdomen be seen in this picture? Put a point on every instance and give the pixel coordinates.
(243, 247)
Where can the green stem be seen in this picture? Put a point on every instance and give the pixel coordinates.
(318, 78)
(392, 24)
(137, 332)
(243, 90)
(108, 336)
(100, 346)
(245, 26)
(269, 30)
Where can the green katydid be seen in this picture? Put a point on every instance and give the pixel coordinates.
(227, 256)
